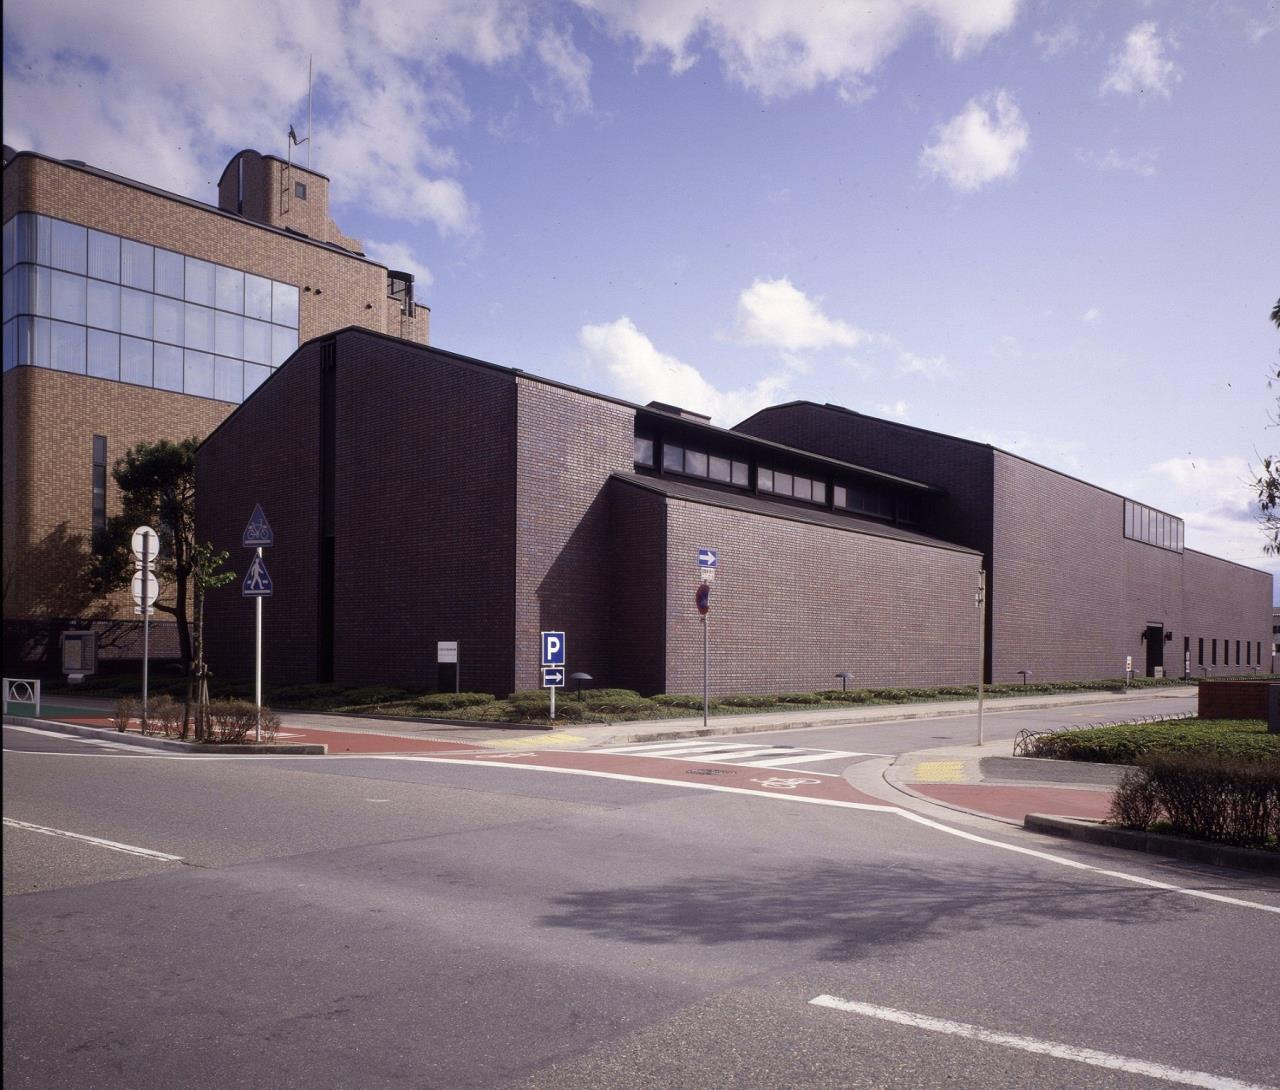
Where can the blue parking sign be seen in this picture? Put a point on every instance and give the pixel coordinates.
(553, 646)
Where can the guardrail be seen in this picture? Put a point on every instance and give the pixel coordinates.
(22, 690)
(1026, 737)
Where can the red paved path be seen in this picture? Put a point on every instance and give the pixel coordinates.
(1015, 803)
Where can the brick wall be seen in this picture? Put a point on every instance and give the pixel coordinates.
(1233, 699)
(795, 604)
(1226, 602)
(637, 601)
(425, 525)
(567, 446)
(267, 453)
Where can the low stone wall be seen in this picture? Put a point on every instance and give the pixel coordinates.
(1234, 699)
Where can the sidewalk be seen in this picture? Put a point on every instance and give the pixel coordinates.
(990, 782)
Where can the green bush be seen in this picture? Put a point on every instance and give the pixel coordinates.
(1209, 798)
(442, 702)
(1127, 743)
(611, 701)
(799, 698)
(678, 700)
(374, 694)
(749, 700)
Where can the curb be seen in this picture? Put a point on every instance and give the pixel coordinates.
(1195, 851)
(53, 726)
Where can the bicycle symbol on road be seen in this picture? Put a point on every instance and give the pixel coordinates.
(784, 783)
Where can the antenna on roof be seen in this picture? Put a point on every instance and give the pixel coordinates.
(294, 141)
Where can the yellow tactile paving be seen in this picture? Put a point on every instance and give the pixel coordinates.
(940, 772)
(554, 738)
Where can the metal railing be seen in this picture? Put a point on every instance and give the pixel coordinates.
(1026, 738)
(22, 690)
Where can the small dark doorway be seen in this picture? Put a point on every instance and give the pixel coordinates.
(1155, 648)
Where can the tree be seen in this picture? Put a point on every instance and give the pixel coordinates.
(206, 575)
(157, 484)
(1267, 483)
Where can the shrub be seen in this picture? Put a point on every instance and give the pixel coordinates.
(799, 698)
(611, 701)
(165, 715)
(1135, 805)
(1127, 743)
(677, 700)
(749, 700)
(373, 694)
(126, 708)
(443, 702)
(231, 721)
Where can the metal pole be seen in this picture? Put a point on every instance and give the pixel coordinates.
(705, 686)
(146, 624)
(257, 662)
(308, 112)
(981, 597)
(553, 703)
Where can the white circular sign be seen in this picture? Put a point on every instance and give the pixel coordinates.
(152, 539)
(145, 584)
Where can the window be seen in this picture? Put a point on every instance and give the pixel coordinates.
(719, 469)
(283, 342)
(257, 297)
(764, 480)
(1237, 652)
(254, 376)
(104, 256)
(1200, 659)
(135, 361)
(257, 341)
(673, 458)
(104, 305)
(67, 297)
(284, 304)
(169, 367)
(695, 463)
(1213, 652)
(228, 379)
(643, 451)
(70, 244)
(802, 488)
(99, 482)
(741, 474)
(104, 354)
(67, 347)
(136, 313)
(136, 263)
(1153, 527)
(228, 335)
(197, 373)
(1248, 654)
(229, 289)
(300, 190)
(783, 483)
(199, 282)
(170, 273)
(839, 495)
(168, 320)
(199, 328)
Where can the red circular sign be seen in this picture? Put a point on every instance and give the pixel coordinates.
(703, 598)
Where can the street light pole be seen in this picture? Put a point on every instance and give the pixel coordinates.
(981, 599)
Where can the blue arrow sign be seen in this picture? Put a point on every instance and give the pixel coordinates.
(553, 677)
(257, 581)
(258, 533)
(706, 558)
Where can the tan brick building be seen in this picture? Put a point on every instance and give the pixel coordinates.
(132, 313)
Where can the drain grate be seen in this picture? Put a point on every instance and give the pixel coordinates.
(709, 772)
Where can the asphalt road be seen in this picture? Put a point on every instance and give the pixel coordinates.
(375, 922)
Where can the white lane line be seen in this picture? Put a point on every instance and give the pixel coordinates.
(806, 758)
(650, 749)
(1046, 1048)
(115, 846)
(69, 737)
(845, 805)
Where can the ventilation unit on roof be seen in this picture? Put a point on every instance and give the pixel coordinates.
(675, 410)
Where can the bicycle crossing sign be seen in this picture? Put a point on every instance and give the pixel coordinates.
(258, 533)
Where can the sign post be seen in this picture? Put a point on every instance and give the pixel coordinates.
(257, 585)
(146, 546)
(553, 656)
(703, 601)
(447, 655)
(981, 599)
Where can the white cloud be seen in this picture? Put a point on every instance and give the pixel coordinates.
(1141, 65)
(896, 410)
(398, 256)
(777, 314)
(928, 366)
(981, 144)
(1061, 39)
(782, 47)
(1141, 162)
(180, 87)
(639, 372)
(1092, 315)
(1212, 496)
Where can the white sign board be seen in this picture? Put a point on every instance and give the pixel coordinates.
(447, 651)
(144, 535)
(145, 586)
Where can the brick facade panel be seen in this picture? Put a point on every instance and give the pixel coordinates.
(1231, 604)
(795, 604)
(637, 596)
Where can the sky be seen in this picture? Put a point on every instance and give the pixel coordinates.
(1051, 227)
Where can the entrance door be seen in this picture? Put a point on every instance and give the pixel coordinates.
(1155, 648)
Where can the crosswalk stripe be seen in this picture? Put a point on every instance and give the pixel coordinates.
(655, 747)
(766, 756)
(806, 758)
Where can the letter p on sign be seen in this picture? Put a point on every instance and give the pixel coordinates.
(553, 647)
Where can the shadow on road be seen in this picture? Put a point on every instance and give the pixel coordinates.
(848, 912)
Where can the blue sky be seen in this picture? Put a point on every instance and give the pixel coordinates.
(1052, 227)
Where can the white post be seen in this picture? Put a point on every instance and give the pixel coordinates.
(705, 669)
(981, 599)
(553, 703)
(146, 624)
(257, 664)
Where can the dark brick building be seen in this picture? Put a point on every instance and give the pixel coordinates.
(420, 496)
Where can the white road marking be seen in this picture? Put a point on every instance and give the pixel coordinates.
(115, 846)
(71, 737)
(1045, 1048)
(807, 758)
(770, 756)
